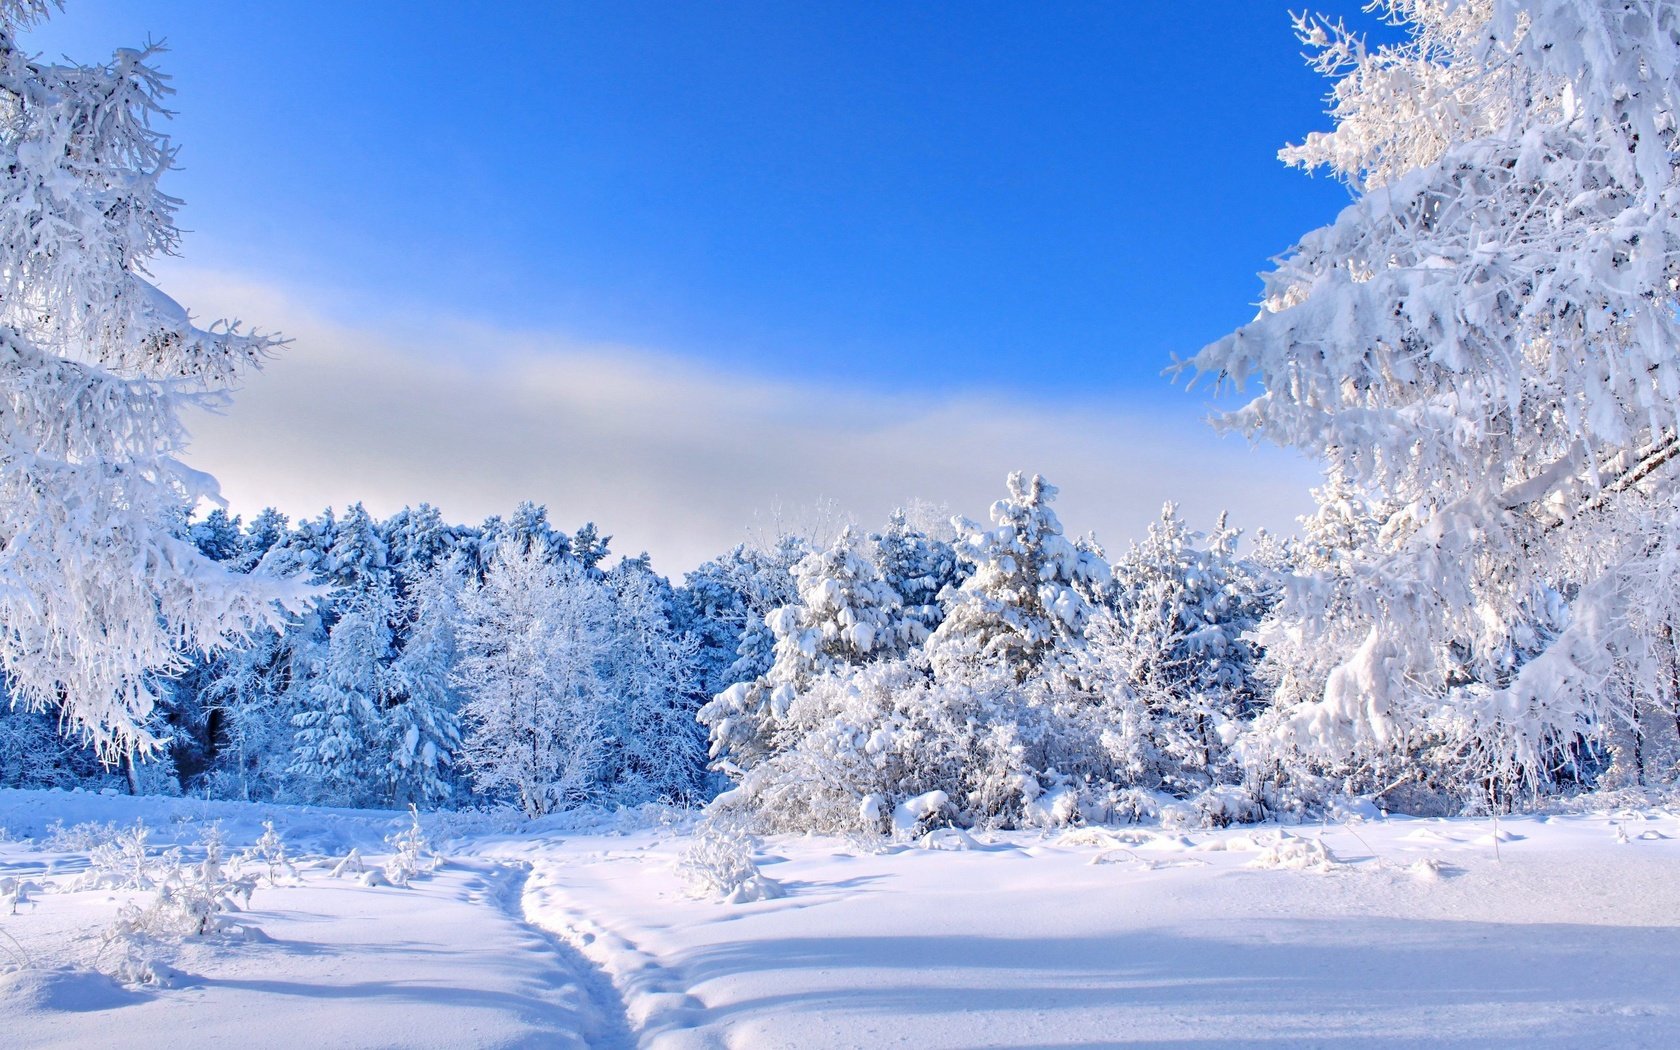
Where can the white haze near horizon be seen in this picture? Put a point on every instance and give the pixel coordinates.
(669, 455)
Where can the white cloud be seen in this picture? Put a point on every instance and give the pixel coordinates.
(668, 455)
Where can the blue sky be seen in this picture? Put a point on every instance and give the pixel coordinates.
(1035, 203)
(1060, 195)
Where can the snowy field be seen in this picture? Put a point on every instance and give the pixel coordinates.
(1373, 933)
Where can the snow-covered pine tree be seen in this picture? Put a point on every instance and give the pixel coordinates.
(1487, 341)
(419, 542)
(844, 615)
(528, 526)
(1022, 610)
(218, 536)
(99, 595)
(710, 609)
(341, 732)
(590, 548)
(266, 531)
(424, 724)
(1170, 663)
(531, 641)
(653, 679)
(359, 559)
(919, 568)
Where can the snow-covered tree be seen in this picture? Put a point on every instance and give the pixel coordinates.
(1486, 343)
(859, 743)
(724, 605)
(918, 567)
(419, 542)
(531, 641)
(1024, 605)
(843, 615)
(99, 594)
(659, 752)
(423, 723)
(339, 755)
(833, 736)
(1171, 664)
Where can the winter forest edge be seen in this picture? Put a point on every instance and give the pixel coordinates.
(1480, 616)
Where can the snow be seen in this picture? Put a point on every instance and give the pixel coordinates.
(1384, 932)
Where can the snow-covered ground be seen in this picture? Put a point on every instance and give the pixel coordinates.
(1377, 933)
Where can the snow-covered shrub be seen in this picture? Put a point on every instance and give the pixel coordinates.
(838, 736)
(16, 891)
(269, 853)
(77, 838)
(916, 814)
(191, 900)
(1292, 853)
(120, 861)
(350, 864)
(888, 732)
(718, 863)
(413, 857)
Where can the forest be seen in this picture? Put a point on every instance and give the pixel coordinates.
(1480, 350)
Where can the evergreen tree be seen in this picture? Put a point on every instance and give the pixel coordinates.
(419, 542)
(1022, 610)
(341, 730)
(652, 677)
(100, 595)
(1171, 664)
(844, 615)
(424, 718)
(917, 567)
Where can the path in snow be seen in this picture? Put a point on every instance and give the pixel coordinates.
(1417, 936)
(1406, 933)
(447, 962)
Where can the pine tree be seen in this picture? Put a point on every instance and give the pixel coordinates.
(341, 730)
(917, 567)
(424, 718)
(419, 542)
(843, 615)
(653, 679)
(1171, 663)
(99, 595)
(1023, 608)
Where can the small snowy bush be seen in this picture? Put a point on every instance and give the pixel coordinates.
(77, 838)
(269, 852)
(120, 861)
(191, 901)
(719, 864)
(413, 857)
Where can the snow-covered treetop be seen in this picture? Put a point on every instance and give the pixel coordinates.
(845, 614)
(1509, 297)
(1025, 597)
